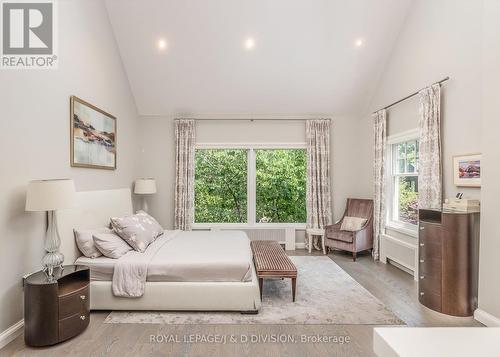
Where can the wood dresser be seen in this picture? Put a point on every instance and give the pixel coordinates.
(56, 310)
(448, 261)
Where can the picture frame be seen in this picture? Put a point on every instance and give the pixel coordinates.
(467, 170)
(93, 136)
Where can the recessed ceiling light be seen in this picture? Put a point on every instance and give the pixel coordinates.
(162, 44)
(249, 43)
(359, 42)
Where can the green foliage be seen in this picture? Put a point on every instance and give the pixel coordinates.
(408, 200)
(281, 186)
(221, 186)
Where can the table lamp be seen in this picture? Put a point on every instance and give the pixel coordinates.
(145, 186)
(49, 196)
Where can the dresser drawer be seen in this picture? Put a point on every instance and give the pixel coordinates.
(429, 248)
(431, 267)
(429, 284)
(431, 300)
(73, 325)
(74, 303)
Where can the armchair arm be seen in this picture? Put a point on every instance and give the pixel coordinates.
(332, 228)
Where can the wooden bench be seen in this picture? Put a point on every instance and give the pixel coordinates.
(271, 261)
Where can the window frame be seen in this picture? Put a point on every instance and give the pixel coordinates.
(391, 198)
(251, 184)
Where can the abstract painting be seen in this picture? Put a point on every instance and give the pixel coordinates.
(467, 170)
(93, 136)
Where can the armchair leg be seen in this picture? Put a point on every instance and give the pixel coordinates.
(354, 256)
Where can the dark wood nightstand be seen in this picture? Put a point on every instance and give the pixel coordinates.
(59, 309)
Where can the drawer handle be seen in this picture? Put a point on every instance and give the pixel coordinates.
(422, 293)
(422, 244)
(421, 260)
(422, 228)
(422, 276)
(83, 297)
(82, 317)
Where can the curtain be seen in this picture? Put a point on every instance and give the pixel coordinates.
(430, 167)
(318, 193)
(379, 146)
(184, 174)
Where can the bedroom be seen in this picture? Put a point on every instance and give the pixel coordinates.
(278, 98)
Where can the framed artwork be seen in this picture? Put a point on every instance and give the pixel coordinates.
(93, 136)
(467, 170)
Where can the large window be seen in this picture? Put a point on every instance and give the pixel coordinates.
(280, 186)
(250, 185)
(403, 208)
(220, 186)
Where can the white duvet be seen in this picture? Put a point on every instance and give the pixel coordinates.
(185, 256)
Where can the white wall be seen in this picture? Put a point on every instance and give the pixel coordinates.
(439, 39)
(349, 159)
(489, 283)
(34, 125)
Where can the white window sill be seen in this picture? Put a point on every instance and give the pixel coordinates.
(403, 229)
(298, 226)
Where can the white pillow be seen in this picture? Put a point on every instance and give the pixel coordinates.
(85, 241)
(138, 230)
(352, 224)
(111, 245)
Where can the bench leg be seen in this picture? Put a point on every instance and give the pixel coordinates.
(261, 284)
(294, 285)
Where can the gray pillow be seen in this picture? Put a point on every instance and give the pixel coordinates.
(352, 224)
(138, 230)
(85, 241)
(111, 245)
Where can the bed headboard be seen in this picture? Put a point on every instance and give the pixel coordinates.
(93, 210)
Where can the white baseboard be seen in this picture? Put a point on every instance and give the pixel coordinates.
(11, 333)
(300, 245)
(486, 318)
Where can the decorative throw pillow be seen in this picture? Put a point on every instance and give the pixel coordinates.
(111, 245)
(85, 241)
(138, 230)
(352, 224)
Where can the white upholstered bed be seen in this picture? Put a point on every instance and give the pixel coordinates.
(195, 279)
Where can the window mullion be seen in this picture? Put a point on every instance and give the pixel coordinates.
(251, 187)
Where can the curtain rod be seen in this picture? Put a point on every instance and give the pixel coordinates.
(251, 119)
(411, 95)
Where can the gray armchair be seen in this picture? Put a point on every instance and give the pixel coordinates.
(352, 241)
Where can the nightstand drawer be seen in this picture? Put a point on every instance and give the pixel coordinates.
(73, 325)
(73, 303)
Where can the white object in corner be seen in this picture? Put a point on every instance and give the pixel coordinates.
(436, 341)
(11, 333)
(486, 318)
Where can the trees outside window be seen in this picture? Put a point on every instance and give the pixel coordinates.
(250, 185)
(404, 173)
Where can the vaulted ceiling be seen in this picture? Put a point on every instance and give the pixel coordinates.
(309, 56)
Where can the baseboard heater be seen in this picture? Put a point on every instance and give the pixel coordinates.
(281, 235)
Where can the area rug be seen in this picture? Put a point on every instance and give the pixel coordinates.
(326, 294)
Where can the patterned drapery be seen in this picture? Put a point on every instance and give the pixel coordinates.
(380, 129)
(318, 193)
(430, 166)
(184, 174)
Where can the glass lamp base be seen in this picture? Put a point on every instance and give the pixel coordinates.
(50, 261)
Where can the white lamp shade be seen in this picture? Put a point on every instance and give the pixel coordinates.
(144, 186)
(50, 195)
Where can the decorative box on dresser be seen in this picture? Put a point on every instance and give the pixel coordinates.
(448, 261)
(56, 310)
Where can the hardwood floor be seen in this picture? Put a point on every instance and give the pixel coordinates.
(395, 288)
